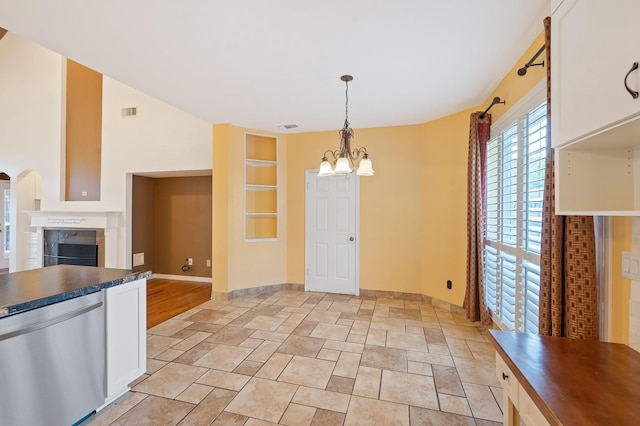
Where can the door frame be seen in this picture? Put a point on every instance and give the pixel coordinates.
(312, 172)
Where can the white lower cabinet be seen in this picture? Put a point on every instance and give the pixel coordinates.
(126, 327)
(517, 406)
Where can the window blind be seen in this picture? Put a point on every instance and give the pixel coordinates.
(514, 194)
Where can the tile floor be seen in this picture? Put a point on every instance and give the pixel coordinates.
(300, 358)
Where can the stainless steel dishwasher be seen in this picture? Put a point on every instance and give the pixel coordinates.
(52, 363)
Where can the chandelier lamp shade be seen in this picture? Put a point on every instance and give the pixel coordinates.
(344, 157)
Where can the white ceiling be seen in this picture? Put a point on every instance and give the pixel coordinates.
(265, 63)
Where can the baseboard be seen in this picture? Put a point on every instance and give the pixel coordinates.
(182, 278)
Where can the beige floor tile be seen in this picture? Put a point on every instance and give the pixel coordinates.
(298, 415)
(462, 332)
(207, 315)
(366, 412)
(477, 371)
(210, 407)
(195, 393)
(368, 382)
(327, 417)
(224, 380)
(408, 341)
(410, 389)
(389, 324)
(114, 410)
(423, 416)
(224, 357)
(454, 404)
(356, 338)
(340, 384)
(195, 353)
(154, 410)
(192, 340)
(447, 380)
(483, 404)
(360, 327)
(331, 331)
(323, 316)
(295, 319)
(263, 399)
(262, 322)
(423, 368)
(439, 349)
(251, 343)
(274, 366)
(270, 335)
(482, 350)
(344, 346)
(303, 346)
(248, 368)
(169, 355)
(384, 358)
(430, 358)
(310, 372)
(319, 398)
(344, 307)
(498, 395)
(170, 380)
(377, 337)
(347, 365)
(329, 354)
(229, 419)
(169, 327)
(263, 352)
(230, 335)
(159, 344)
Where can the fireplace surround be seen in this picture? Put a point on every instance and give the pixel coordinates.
(104, 224)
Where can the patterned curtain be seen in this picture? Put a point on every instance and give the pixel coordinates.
(474, 302)
(568, 292)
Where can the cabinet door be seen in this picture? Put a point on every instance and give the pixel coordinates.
(126, 324)
(509, 392)
(594, 44)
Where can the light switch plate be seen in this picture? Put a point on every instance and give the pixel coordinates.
(631, 265)
(138, 259)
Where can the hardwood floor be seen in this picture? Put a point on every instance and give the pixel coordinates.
(168, 298)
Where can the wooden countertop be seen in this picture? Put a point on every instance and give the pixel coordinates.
(575, 382)
(26, 290)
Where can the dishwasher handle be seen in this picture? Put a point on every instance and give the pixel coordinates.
(38, 326)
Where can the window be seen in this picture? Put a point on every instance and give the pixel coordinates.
(514, 194)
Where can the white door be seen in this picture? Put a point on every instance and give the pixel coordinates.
(331, 255)
(4, 225)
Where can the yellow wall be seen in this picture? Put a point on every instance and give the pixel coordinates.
(412, 212)
(620, 287)
(444, 200)
(513, 87)
(390, 205)
(239, 264)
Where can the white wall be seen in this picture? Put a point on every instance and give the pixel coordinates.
(160, 138)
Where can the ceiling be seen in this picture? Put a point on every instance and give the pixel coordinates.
(263, 64)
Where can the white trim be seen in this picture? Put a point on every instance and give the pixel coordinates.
(182, 278)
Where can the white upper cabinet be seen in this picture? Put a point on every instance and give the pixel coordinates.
(595, 123)
(594, 45)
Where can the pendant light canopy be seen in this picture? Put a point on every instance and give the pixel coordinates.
(344, 158)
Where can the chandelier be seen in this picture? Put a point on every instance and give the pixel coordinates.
(344, 158)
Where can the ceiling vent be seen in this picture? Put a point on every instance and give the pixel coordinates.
(288, 126)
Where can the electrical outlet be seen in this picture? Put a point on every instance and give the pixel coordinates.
(449, 284)
(138, 259)
(190, 261)
(208, 263)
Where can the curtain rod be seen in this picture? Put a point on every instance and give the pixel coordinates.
(495, 100)
(522, 71)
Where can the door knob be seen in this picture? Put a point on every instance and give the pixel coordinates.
(351, 239)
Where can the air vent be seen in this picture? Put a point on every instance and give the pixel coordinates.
(127, 112)
(288, 126)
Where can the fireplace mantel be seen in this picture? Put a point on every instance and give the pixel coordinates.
(108, 221)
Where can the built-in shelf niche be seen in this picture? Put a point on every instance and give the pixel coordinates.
(260, 187)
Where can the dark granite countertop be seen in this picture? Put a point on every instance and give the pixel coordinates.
(26, 290)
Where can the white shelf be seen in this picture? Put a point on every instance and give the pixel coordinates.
(260, 163)
(261, 187)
